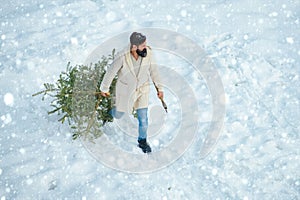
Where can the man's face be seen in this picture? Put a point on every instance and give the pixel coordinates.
(142, 46)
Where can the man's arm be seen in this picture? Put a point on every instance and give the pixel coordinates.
(110, 74)
(155, 76)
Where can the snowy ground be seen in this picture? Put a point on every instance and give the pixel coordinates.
(255, 46)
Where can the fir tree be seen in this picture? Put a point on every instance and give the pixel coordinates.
(76, 96)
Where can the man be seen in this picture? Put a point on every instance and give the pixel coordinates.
(134, 67)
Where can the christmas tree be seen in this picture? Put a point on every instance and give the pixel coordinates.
(76, 96)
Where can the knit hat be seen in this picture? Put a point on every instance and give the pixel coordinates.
(137, 38)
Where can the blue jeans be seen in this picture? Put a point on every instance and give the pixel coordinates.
(142, 118)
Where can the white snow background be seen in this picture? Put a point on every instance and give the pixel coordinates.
(256, 48)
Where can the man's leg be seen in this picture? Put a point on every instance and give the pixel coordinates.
(116, 114)
(143, 122)
(143, 127)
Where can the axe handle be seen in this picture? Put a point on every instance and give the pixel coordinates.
(161, 99)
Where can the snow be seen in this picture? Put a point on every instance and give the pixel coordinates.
(9, 99)
(6, 118)
(255, 49)
(290, 40)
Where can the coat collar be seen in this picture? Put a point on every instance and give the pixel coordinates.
(129, 61)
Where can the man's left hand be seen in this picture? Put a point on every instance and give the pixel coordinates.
(160, 95)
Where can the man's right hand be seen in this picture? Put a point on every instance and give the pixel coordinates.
(105, 94)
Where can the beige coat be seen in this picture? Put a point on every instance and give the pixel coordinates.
(132, 90)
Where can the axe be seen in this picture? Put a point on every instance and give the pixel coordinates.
(161, 99)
